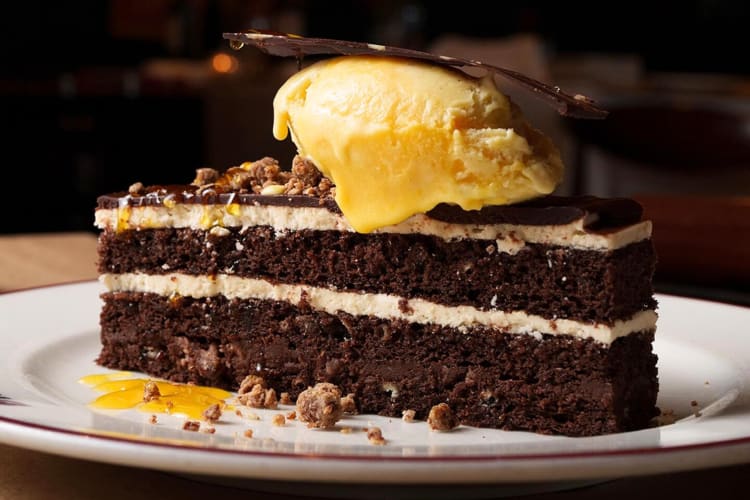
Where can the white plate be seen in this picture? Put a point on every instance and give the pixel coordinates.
(49, 340)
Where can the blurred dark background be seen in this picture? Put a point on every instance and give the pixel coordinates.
(96, 95)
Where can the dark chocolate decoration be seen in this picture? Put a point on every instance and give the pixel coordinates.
(287, 45)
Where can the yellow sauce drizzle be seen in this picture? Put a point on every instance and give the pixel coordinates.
(123, 218)
(123, 391)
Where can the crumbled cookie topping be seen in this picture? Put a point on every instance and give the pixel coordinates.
(285, 399)
(278, 420)
(136, 189)
(205, 176)
(254, 393)
(666, 417)
(212, 413)
(191, 425)
(320, 406)
(375, 436)
(150, 391)
(441, 418)
(408, 415)
(349, 405)
(266, 177)
(249, 382)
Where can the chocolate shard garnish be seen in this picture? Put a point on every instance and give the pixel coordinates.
(288, 45)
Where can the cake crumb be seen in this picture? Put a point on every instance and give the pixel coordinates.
(152, 419)
(150, 391)
(212, 413)
(346, 430)
(248, 433)
(320, 406)
(252, 416)
(209, 429)
(408, 415)
(348, 404)
(441, 418)
(191, 425)
(278, 420)
(285, 399)
(238, 413)
(375, 436)
(292, 415)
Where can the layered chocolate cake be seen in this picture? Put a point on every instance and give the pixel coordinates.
(536, 316)
(412, 255)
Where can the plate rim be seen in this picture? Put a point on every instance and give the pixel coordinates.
(702, 453)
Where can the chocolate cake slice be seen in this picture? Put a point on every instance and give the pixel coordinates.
(535, 316)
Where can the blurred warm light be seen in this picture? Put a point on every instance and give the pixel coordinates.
(224, 63)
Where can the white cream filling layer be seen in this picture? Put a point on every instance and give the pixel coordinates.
(378, 305)
(507, 237)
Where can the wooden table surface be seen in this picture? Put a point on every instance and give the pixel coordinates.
(39, 259)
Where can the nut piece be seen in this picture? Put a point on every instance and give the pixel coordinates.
(150, 391)
(278, 420)
(212, 413)
(441, 418)
(375, 436)
(320, 406)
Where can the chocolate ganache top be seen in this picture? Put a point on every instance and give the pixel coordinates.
(264, 183)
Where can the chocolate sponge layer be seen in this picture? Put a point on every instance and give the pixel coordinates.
(550, 281)
(553, 384)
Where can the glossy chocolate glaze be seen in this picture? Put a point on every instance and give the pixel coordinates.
(543, 211)
(194, 195)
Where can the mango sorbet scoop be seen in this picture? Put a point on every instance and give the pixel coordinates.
(398, 136)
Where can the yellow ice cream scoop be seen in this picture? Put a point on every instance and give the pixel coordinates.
(398, 136)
